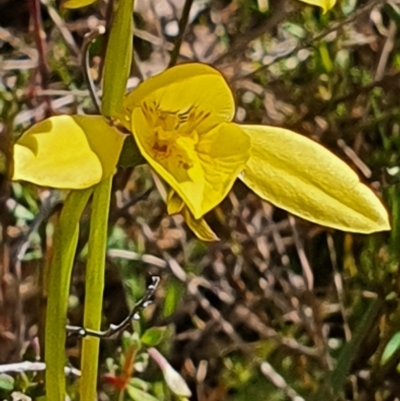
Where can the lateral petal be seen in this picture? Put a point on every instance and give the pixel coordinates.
(304, 178)
(70, 152)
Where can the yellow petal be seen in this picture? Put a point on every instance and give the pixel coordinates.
(175, 203)
(181, 88)
(324, 4)
(203, 172)
(301, 176)
(71, 152)
(199, 227)
(76, 3)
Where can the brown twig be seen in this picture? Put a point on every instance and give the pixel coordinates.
(308, 275)
(278, 381)
(62, 27)
(387, 49)
(18, 44)
(40, 38)
(337, 278)
(182, 27)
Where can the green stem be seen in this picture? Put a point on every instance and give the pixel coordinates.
(95, 268)
(65, 242)
(118, 59)
(116, 71)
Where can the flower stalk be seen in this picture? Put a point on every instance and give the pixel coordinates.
(94, 279)
(65, 242)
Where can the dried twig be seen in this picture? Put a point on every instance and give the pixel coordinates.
(387, 49)
(115, 328)
(339, 286)
(271, 374)
(62, 27)
(26, 366)
(40, 38)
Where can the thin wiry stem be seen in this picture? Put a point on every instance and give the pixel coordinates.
(182, 27)
(133, 315)
(87, 41)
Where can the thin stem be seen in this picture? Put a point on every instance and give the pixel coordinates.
(65, 242)
(87, 41)
(115, 328)
(40, 38)
(109, 20)
(182, 27)
(95, 269)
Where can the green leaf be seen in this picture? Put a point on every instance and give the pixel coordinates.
(70, 152)
(6, 382)
(139, 395)
(350, 350)
(304, 178)
(19, 211)
(118, 59)
(173, 296)
(153, 336)
(325, 57)
(391, 348)
(77, 3)
(3, 163)
(393, 11)
(140, 384)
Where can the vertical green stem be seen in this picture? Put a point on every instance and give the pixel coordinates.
(65, 241)
(118, 59)
(95, 268)
(116, 71)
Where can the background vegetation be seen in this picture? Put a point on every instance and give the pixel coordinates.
(279, 309)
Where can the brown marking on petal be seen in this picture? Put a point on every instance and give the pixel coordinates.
(160, 147)
(184, 163)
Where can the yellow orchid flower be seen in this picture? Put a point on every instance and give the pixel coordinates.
(181, 120)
